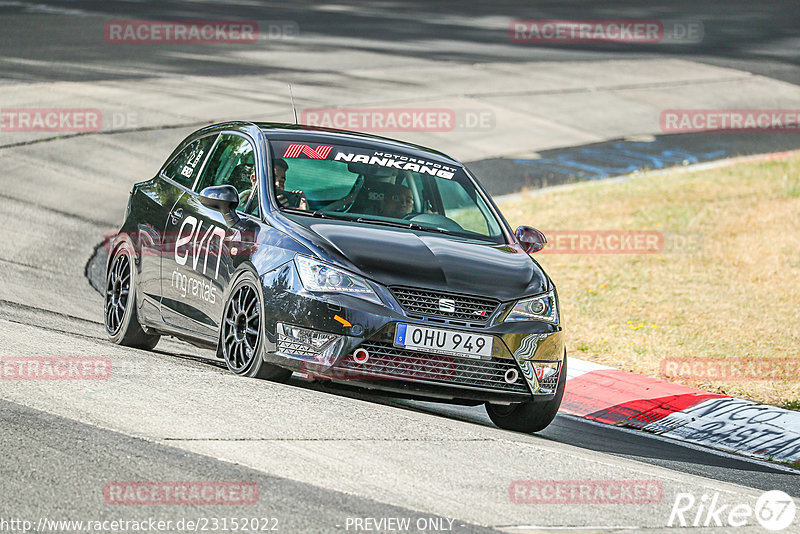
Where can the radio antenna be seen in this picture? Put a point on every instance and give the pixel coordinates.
(291, 96)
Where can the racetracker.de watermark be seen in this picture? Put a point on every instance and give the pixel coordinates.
(603, 242)
(354, 368)
(197, 31)
(64, 120)
(54, 368)
(564, 31)
(620, 242)
(558, 242)
(730, 120)
(144, 524)
(586, 492)
(400, 119)
(180, 493)
(731, 369)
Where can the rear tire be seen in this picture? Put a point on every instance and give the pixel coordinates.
(529, 416)
(241, 342)
(119, 309)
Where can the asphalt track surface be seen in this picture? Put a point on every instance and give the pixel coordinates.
(758, 37)
(318, 456)
(619, 157)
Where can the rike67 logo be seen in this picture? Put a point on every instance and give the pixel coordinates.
(774, 510)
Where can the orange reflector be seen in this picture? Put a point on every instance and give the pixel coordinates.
(344, 322)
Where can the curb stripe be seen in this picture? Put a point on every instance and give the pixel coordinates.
(620, 398)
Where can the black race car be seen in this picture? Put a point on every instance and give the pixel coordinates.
(348, 258)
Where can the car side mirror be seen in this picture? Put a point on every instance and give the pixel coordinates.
(223, 198)
(530, 239)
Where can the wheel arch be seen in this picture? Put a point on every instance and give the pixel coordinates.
(119, 240)
(244, 267)
(116, 242)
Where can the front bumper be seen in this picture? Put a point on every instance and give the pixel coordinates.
(512, 374)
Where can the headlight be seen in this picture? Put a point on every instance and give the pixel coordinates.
(324, 278)
(540, 308)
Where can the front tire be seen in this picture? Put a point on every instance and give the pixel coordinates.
(529, 416)
(242, 332)
(119, 309)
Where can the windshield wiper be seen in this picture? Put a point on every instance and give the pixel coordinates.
(396, 224)
(417, 226)
(315, 213)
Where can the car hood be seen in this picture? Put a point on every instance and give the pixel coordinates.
(395, 256)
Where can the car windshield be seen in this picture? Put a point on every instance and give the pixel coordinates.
(378, 187)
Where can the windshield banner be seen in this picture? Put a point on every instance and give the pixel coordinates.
(390, 160)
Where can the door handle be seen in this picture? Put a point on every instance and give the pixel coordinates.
(176, 215)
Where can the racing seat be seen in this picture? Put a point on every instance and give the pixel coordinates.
(371, 197)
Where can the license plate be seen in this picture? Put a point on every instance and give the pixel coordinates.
(437, 341)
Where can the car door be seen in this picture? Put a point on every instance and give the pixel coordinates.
(198, 264)
(176, 177)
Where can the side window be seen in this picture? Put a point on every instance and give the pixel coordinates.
(473, 216)
(424, 193)
(232, 163)
(252, 208)
(183, 168)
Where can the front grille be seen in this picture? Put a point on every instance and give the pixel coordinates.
(427, 303)
(396, 363)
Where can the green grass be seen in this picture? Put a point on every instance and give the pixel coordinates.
(727, 284)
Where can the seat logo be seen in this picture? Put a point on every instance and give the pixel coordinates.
(447, 305)
(294, 151)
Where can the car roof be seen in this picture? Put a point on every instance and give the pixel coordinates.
(315, 134)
